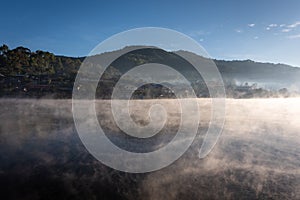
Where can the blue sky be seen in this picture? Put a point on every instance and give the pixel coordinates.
(260, 30)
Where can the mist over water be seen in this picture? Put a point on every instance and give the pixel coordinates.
(256, 157)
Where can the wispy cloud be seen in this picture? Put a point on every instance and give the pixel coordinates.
(286, 30)
(289, 28)
(294, 36)
(255, 38)
(270, 26)
(294, 25)
(273, 25)
(238, 30)
(251, 25)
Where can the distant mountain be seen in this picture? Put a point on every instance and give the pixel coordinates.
(42, 73)
(267, 75)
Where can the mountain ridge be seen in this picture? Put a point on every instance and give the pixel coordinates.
(22, 70)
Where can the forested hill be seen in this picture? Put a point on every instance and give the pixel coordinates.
(22, 61)
(39, 73)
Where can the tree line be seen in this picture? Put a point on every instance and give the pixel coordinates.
(22, 60)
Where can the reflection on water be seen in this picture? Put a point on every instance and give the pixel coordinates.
(257, 156)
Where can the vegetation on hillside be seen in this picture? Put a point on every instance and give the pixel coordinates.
(24, 73)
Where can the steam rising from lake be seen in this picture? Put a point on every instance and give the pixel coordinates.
(256, 157)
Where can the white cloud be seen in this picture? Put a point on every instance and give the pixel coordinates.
(294, 36)
(251, 25)
(256, 37)
(294, 25)
(286, 30)
(238, 30)
(282, 25)
(272, 25)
